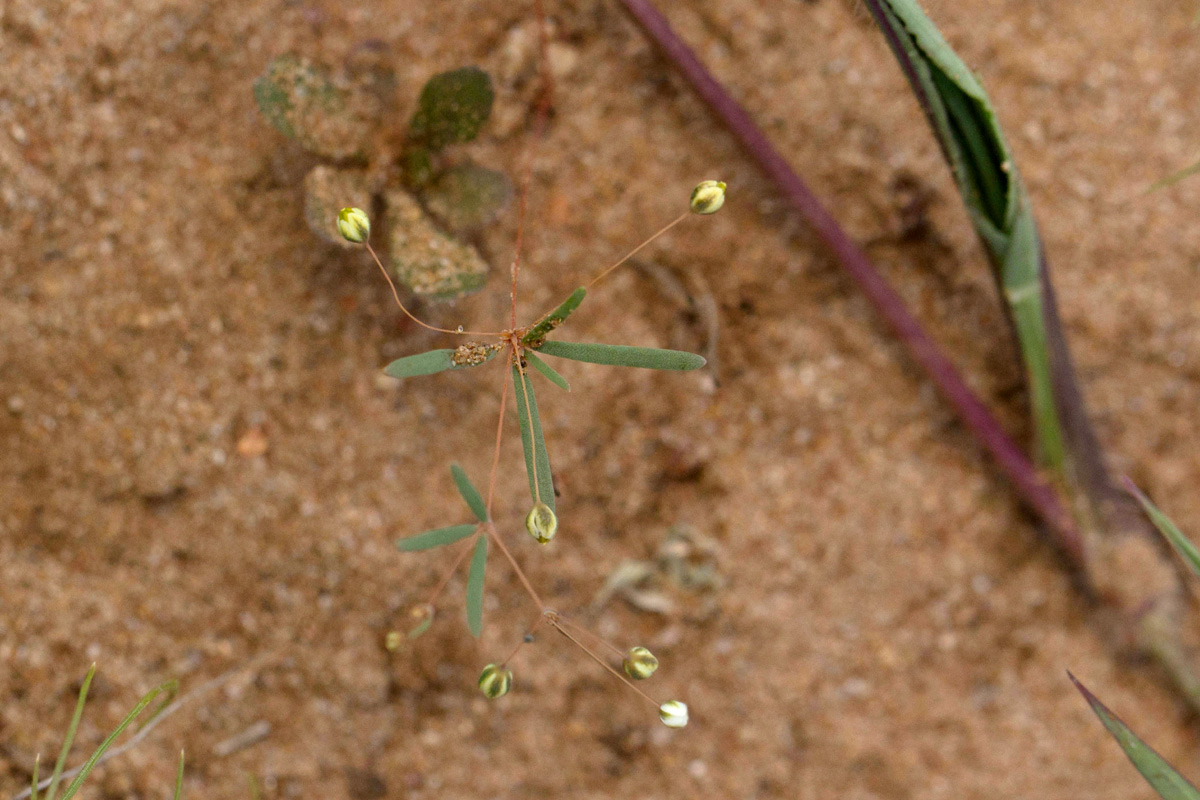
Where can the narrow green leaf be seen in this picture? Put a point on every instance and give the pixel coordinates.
(56, 776)
(1162, 777)
(1170, 180)
(547, 370)
(533, 441)
(1187, 551)
(422, 626)
(436, 361)
(469, 492)
(619, 355)
(475, 587)
(548, 323)
(179, 778)
(33, 789)
(170, 688)
(435, 538)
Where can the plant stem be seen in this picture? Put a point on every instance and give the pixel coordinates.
(516, 567)
(1039, 495)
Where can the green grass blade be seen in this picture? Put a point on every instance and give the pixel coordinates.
(537, 334)
(52, 790)
(1182, 544)
(33, 789)
(179, 778)
(475, 587)
(618, 355)
(1162, 777)
(469, 492)
(1171, 180)
(550, 372)
(533, 441)
(435, 538)
(966, 126)
(169, 688)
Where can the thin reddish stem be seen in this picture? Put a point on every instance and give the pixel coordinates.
(499, 437)
(409, 314)
(524, 639)
(450, 573)
(593, 636)
(556, 624)
(516, 567)
(637, 249)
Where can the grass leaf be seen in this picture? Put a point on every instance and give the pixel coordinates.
(469, 492)
(533, 441)
(547, 370)
(623, 356)
(435, 538)
(548, 323)
(170, 688)
(475, 587)
(52, 790)
(1162, 777)
(1170, 180)
(1182, 544)
(179, 778)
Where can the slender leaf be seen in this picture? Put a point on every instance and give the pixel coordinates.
(179, 778)
(435, 538)
(1162, 777)
(1187, 551)
(33, 789)
(469, 492)
(548, 323)
(170, 688)
(533, 441)
(623, 356)
(547, 370)
(967, 128)
(422, 626)
(1172, 179)
(475, 587)
(436, 361)
(56, 776)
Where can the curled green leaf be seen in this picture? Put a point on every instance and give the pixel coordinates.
(623, 356)
(435, 538)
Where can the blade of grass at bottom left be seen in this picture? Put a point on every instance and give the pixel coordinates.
(475, 587)
(1162, 777)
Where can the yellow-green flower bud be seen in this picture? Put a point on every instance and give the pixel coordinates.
(640, 663)
(541, 523)
(495, 682)
(708, 197)
(673, 714)
(355, 225)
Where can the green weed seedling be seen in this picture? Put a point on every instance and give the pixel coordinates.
(428, 202)
(164, 694)
(521, 349)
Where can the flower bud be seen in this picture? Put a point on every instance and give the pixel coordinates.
(708, 197)
(541, 523)
(495, 682)
(673, 714)
(640, 663)
(355, 225)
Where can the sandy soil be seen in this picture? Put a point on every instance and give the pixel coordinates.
(201, 466)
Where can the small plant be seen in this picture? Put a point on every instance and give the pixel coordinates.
(522, 349)
(164, 693)
(428, 202)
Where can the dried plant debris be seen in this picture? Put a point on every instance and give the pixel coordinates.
(424, 259)
(325, 114)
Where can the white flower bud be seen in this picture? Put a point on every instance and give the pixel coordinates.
(673, 713)
(354, 225)
(708, 197)
(640, 663)
(495, 682)
(541, 523)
